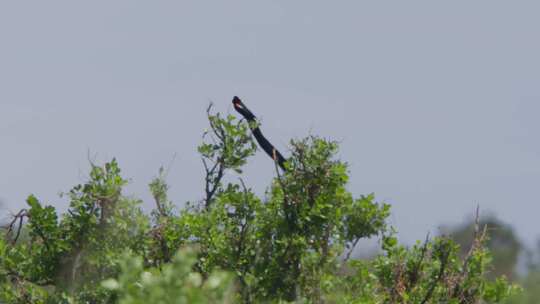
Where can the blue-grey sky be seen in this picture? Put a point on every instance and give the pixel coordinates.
(436, 104)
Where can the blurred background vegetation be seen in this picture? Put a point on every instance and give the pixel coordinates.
(511, 257)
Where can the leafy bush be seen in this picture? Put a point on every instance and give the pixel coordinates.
(175, 282)
(232, 246)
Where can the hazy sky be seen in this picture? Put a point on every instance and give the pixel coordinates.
(435, 103)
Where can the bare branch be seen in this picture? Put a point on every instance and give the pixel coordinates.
(348, 256)
(19, 217)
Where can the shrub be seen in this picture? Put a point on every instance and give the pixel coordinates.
(232, 246)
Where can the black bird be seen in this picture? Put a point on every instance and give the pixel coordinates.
(241, 108)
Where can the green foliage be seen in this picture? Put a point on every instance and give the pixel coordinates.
(228, 143)
(74, 254)
(429, 272)
(293, 245)
(175, 282)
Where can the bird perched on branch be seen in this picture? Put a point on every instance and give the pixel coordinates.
(241, 108)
